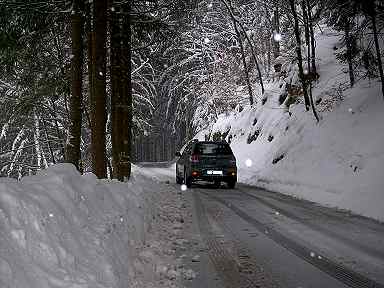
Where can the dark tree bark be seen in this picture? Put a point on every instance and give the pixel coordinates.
(349, 52)
(238, 34)
(124, 106)
(90, 57)
(59, 135)
(48, 141)
(307, 40)
(73, 154)
(299, 55)
(245, 66)
(115, 70)
(254, 59)
(268, 42)
(276, 28)
(377, 46)
(313, 42)
(98, 112)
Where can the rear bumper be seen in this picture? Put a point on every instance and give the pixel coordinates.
(229, 175)
(214, 178)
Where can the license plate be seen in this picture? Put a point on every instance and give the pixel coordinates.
(214, 172)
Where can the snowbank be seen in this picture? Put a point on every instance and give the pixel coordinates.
(338, 162)
(61, 229)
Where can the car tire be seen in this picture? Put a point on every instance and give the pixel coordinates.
(231, 184)
(217, 183)
(187, 180)
(178, 179)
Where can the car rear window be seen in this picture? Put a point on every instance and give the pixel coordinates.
(212, 149)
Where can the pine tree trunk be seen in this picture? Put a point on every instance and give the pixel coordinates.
(73, 154)
(313, 42)
(299, 55)
(115, 88)
(276, 28)
(245, 66)
(58, 132)
(349, 52)
(254, 59)
(125, 125)
(48, 141)
(90, 54)
(377, 46)
(235, 23)
(98, 112)
(269, 54)
(308, 42)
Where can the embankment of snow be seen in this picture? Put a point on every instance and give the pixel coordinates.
(338, 162)
(61, 229)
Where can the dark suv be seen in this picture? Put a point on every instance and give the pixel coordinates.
(208, 161)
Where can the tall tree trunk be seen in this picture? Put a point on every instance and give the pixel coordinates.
(254, 59)
(276, 28)
(377, 46)
(268, 41)
(245, 66)
(98, 112)
(235, 22)
(313, 42)
(48, 141)
(73, 154)
(59, 135)
(125, 126)
(299, 55)
(349, 52)
(115, 70)
(91, 55)
(307, 40)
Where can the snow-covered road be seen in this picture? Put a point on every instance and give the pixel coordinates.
(249, 237)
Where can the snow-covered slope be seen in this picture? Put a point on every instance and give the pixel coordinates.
(61, 229)
(338, 162)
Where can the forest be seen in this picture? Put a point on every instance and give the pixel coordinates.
(103, 84)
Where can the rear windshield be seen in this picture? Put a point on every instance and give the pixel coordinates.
(212, 149)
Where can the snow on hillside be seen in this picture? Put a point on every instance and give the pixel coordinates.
(338, 162)
(61, 229)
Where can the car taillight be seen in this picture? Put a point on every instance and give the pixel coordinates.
(194, 158)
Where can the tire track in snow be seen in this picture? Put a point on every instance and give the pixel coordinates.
(337, 271)
(262, 199)
(238, 272)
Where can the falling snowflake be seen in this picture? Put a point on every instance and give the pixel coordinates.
(101, 73)
(183, 187)
(206, 40)
(248, 162)
(277, 213)
(277, 37)
(350, 110)
(50, 215)
(312, 254)
(305, 72)
(209, 5)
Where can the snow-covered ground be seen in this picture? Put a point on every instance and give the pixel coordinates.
(61, 229)
(338, 162)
